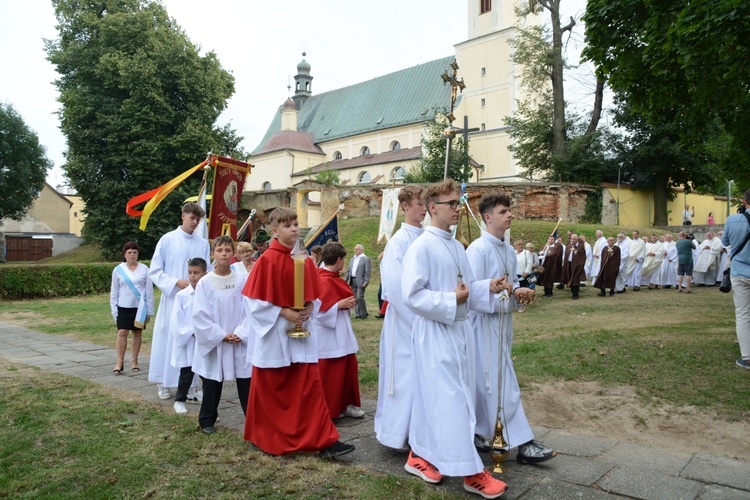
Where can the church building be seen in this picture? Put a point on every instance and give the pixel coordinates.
(370, 132)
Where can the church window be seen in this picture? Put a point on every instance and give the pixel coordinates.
(307, 86)
(398, 173)
(483, 71)
(485, 6)
(296, 86)
(395, 146)
(365, 150)
(481, 127)
(266, 186)
(364, 177)
(483, 102)
(337, 155)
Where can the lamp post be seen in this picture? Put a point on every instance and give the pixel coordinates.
(617, 212)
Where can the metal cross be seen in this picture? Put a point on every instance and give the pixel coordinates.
(455, 85)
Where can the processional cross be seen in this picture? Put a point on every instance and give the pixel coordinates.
(449, 133)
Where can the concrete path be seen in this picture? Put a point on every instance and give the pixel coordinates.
(586, 468)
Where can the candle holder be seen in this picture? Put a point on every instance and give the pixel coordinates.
(299, 255)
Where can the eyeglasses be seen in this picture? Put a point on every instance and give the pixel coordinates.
(453, 204)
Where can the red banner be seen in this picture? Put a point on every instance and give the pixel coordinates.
(229, 181)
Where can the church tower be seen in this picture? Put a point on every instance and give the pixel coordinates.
(492, 84)
(302, 83)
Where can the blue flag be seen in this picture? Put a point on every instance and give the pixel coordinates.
(325, 233)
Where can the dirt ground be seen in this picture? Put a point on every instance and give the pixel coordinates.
(617, 413)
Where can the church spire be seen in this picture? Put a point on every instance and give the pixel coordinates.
(303, 83)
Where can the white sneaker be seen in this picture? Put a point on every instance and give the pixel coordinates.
(194, 395)
(180, 408)
(354, 412)
(163, 392)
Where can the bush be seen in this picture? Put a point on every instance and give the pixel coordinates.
(38, 282)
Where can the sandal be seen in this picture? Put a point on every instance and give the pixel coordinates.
(135, 366)
(117, 370)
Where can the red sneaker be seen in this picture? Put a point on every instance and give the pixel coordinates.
(485, 485)
(422, 468)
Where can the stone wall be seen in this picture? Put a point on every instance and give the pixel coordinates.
(542, 201)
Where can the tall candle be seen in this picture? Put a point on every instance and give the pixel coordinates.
(299, 283)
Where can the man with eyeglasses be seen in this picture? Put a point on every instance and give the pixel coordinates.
(438, 286)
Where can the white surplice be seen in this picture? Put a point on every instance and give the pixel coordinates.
(335, 334)
(273, 347)
(491, 258)
(393, 411)
(218, 310)
(169, 265)
(444, 354)
(622, 276)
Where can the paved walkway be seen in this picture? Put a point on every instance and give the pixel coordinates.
(587, 467)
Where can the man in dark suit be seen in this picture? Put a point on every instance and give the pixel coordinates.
(358, 277)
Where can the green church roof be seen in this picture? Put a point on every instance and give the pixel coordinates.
(401, 98)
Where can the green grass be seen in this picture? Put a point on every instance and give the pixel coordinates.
(64, 437)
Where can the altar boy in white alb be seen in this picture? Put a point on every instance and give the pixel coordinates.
(395, 371)
(439, 287)
(221, 342)
(491, 257)
(169, 272)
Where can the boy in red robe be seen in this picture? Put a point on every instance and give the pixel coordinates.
(337, 344)
(287, 410)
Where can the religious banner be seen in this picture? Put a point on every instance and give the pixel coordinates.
(329, 231)
(229, 181)
(388, 214)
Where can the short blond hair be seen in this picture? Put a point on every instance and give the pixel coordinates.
(244, 246)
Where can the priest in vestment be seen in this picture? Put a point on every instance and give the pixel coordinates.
(651, 270)
(709, 255)
(393, 412)
(610, 268)
(439, 287)
(287, 410)
(623, 241)
(552, 263)
(636, 256)
(169, 271)
(669, 264)
(574, 267)
(490, 256)
(596, 255)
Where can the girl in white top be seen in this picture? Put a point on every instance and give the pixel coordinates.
(128, 278)
(244, 259)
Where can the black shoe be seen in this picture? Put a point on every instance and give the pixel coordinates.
(603, 293)
(636, 289)
(534, 452)
(336, 450)
(611, 293)
(575, 297)
(560, 287)
(209, 430)
(380, 316)
(620, 291)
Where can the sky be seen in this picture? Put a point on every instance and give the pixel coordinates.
(260, 43)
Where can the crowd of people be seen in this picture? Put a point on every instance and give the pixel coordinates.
(447, 389)
(618, 263)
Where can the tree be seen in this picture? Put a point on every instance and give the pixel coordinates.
(431, 167)
(23, 164)
(572, 150)
(655, 157)
(682, 59)
(139, 106)
(328, 177)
